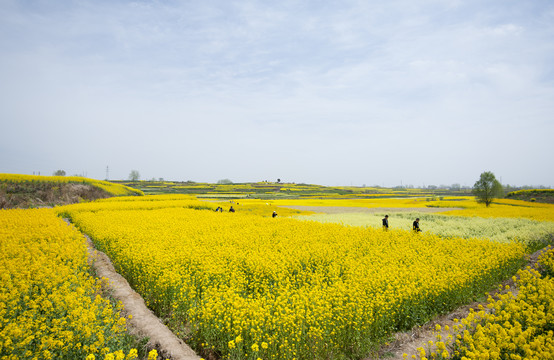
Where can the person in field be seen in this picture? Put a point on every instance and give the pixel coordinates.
(386, 222)
(416, 225)
(231, 209)
(274, 214)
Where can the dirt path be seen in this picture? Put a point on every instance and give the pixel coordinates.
(356, 209)
(408, 342)
(143, 323)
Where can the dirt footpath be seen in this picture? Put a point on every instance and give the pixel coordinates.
(356, 209)
(143, 323)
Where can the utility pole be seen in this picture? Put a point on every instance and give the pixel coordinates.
(107, 173)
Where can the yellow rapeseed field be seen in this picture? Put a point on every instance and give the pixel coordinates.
(534, 234)
(546, 261)
(50, 306)
(509, 209)
(252, 287)
(514, 326)
(150, 202)
(249, 286)
(467, 206)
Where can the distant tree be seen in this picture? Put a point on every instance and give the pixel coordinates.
(59, 173)
(134, 175)
(224, 182)
(455, 187)
(487, 188)
(278, 180)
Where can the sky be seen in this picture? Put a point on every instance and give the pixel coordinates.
(351, 92)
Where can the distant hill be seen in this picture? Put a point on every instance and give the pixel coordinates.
(26, 191)
(281, 190)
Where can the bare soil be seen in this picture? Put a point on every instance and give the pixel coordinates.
(27, 195)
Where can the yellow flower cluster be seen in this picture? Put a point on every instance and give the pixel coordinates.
(531, 192)
(49, 302)
(546, 262)
(501, 208)
(120, 355)
(513, 327)
(507, 208)
(534, 234)
(362, 203)
(254, 287)
(112, 188)
(150, 202)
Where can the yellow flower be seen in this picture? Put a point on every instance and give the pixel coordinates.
(303, 287)
(153, 354)
(133, 354)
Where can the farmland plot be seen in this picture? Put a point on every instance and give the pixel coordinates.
(253, 287)
(50, 304)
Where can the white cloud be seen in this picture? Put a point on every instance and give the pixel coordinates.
(315, 90)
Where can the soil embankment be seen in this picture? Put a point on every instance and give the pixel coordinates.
(46, 194)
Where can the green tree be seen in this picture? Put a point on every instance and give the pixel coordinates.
(59, 173)
(487, 188)
(134, 175)
(224, 182)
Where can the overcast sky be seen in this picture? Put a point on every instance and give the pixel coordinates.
(324, 92)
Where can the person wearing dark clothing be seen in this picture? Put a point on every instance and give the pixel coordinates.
(416, 225)
(386, 222)
(231, 209)
(274, 214)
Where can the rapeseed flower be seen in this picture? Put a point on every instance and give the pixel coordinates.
(305, 289)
